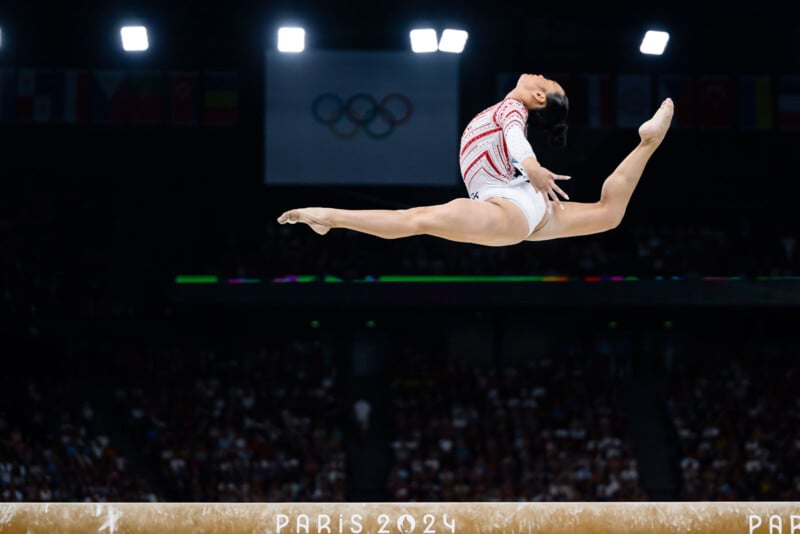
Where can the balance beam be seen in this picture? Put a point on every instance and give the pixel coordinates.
(402, 518)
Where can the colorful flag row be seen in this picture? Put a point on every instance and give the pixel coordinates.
(752, 102)
(64, 96)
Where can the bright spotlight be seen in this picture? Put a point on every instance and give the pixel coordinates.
(291, 39)
(423, 40)
(453, 41)
(654, 42)
(134, 38)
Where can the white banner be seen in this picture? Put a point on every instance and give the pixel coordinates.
(361, 118)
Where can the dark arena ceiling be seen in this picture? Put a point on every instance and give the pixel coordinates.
(725, 37)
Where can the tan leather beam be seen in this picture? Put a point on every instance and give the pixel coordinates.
(402, 518)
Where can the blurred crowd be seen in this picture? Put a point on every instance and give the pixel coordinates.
(263, 425)
(736, 413)
(271, 421)
(52, 448)
(546, 430)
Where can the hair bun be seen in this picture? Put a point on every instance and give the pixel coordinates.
(557, 135)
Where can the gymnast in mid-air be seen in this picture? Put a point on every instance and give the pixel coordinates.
(511, 197)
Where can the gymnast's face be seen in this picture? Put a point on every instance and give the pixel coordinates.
(536, 87)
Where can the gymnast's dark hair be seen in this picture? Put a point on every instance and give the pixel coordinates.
(553, 118)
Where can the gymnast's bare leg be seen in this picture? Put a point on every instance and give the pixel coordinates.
(493, 222)
(498, 222)
(579, 218)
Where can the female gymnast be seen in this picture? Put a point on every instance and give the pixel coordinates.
(511, 196)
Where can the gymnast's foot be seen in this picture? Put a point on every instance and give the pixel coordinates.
(655, 128)
(314, 217)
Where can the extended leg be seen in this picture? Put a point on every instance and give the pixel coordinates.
(590, 218)
(494, 223)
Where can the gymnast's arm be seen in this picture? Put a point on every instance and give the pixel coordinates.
(520, 149)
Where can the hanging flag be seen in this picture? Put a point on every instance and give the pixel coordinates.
(47, 96)
(145, 97)
(715, 101)
(680, 88)
(69, 102)
(220, 98)
(634, 100)
(789, 102)
(109, 97)
(184, 98)
(38, 95)
(25, 95)
(756, 103)
(599, 101)
(590, 101)
(577, 91)
(8, 94)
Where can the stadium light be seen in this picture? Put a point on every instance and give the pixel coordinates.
(453, 41)
(291, 39)
(423, 40)
(654, 42)
(134, 38)
(1, 37)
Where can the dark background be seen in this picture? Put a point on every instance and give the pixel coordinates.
(98, 220)
(168, 193)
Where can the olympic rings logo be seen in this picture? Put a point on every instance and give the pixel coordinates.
(361, 112)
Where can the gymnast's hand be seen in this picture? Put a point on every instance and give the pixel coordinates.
(544, 181)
